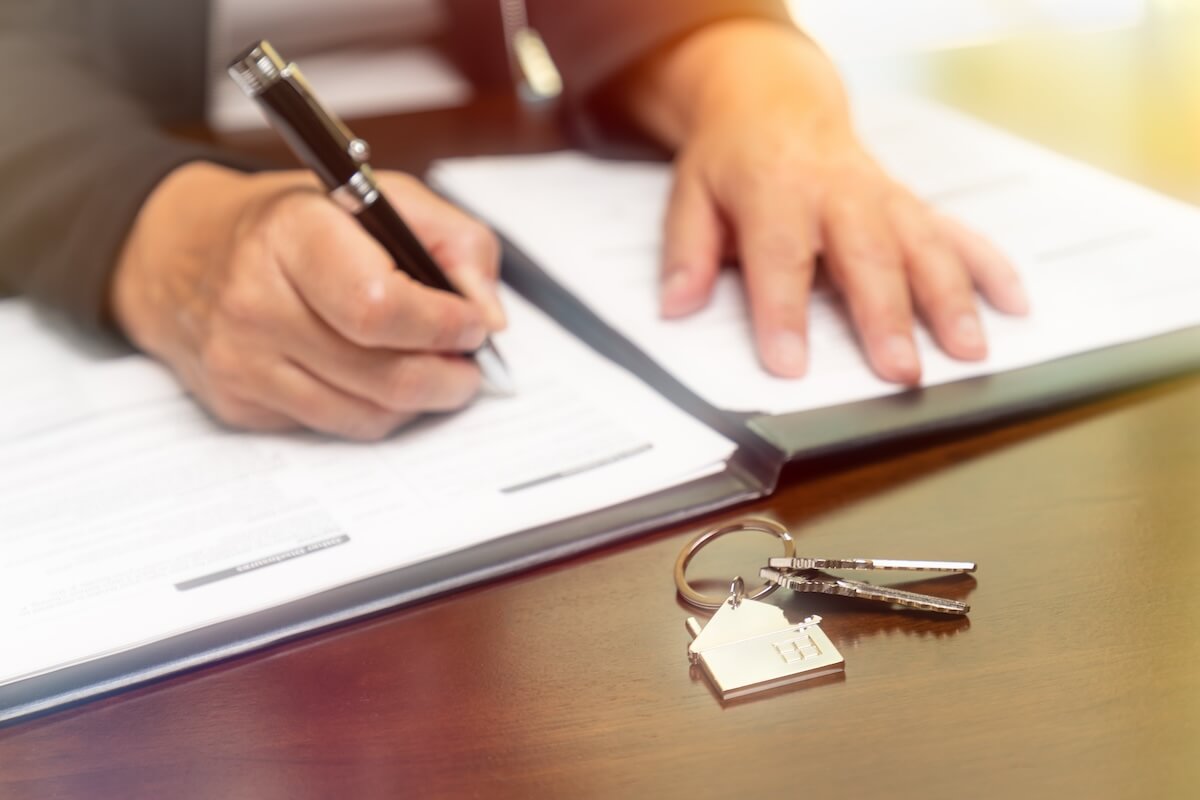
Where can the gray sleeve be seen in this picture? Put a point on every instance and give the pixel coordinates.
(81, 148)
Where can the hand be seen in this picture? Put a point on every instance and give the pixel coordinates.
(276, 310)
(768, 167)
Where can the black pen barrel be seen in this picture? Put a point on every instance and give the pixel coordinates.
(382, 221)
(304, 132)
(317, 139)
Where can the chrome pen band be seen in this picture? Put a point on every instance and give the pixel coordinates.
(357, 193)
(260, 69)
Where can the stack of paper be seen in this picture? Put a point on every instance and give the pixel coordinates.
(1105, 262)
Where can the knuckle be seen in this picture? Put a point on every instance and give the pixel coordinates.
(230, 411)
(370, 426)
(468, 385)
(921, 234)
(781, 310)
(367, 314)
(220, 363)
(447, 327)
(846, 207)
(939, 276)
(868, 254)
(303, 202)
(400, 185)
(241, 302)
(862, 182)
(743, 182)
(400, 179)
(755, 176)
(479, 238)
(924, 239)
(780, 243)
(432, 383)
(766, 180)
(955, 231)
(349, 420)
(921, 238)
(408, 385)
(287, 214)
(884, 312)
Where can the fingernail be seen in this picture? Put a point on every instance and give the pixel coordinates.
(674, 290)
(901, 355)
(968, 331)
(791, 354)
(1016, 299)
(481, 291)
(472, 336)
(497, 320)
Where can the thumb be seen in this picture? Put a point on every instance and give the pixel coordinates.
(463, 246)
(479, 286)
(470, 255)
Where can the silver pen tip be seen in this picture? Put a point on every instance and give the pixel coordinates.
(494, 370)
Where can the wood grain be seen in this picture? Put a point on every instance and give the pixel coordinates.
(1076, 673)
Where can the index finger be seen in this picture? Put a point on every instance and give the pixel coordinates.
(777, 254)
(463, 246)
(351, 282)
(868, 264)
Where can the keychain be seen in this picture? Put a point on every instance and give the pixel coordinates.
(749, 646)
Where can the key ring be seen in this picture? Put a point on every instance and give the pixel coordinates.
(696, 545)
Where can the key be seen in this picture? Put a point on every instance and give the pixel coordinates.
(813, 581)
(797, 563)
(750, 647)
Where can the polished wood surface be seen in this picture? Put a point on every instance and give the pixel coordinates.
(1076, 674)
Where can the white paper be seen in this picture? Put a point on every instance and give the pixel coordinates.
(134, 517)
(1104, 261)
(51, 377)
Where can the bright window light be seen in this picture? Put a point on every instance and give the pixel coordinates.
(875, 27)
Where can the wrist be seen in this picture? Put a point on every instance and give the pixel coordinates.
(736, 69)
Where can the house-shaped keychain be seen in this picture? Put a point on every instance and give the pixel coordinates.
(750, 647)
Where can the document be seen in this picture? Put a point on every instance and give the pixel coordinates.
(129, 516)
(1105, 261)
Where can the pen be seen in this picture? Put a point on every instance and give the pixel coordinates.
(326, 146)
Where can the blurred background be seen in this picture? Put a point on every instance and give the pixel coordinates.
(1113, 82)
(856, 27)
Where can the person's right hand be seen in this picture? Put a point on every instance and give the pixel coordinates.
(276, 310)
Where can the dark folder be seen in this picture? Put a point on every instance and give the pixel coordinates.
(765, 445)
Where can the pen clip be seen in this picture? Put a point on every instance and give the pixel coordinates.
(260, 67)
(337, 129)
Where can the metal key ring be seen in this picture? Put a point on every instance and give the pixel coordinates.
(696, 545)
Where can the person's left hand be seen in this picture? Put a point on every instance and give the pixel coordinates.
(768, 168)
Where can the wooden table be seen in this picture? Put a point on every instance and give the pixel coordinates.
(1077, 672)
